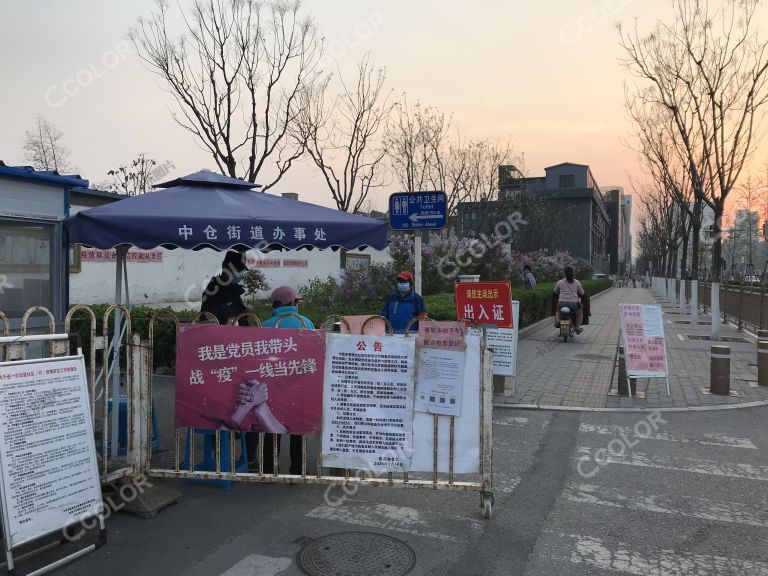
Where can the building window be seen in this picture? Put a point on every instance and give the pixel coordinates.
(25, 262)
(567, 180)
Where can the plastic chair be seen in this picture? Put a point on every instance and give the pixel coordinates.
(208, 463)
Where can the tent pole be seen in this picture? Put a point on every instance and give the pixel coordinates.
(117, 341)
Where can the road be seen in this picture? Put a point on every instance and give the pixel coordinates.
(577, 493)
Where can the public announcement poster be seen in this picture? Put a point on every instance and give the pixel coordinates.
(503, 343)
(50, 476)
(644, 348)
(249, 378)
(440, 368)
(466, 433)
(368, 397)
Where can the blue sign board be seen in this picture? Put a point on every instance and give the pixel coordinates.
(418, 210)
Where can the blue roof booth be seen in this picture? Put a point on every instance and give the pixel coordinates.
(34, 260)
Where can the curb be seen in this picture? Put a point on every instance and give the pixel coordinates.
(588, 409)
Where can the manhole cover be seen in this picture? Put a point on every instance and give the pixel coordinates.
(356, 554)
(593, 357)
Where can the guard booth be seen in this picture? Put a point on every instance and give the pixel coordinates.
(34, 258)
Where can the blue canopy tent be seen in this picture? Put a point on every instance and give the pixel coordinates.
(208, 210)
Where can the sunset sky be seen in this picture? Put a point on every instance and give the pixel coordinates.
(545, 76)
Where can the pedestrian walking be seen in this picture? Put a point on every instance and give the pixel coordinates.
(529, 280)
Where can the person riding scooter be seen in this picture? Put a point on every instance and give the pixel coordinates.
(569, 292)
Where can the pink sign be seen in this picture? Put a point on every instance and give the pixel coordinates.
(248, 378)
(441, 335)
(644, 347)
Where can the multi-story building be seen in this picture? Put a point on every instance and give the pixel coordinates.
(564, 209)
(619, 208)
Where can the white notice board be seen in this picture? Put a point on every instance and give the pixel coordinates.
(503, 343)
(49, 475)
(368, 402)
(466, 434)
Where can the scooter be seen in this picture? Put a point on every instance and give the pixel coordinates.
(567, 328)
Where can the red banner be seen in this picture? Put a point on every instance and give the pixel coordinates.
(133, 255)
(485, 303)
(248, 378)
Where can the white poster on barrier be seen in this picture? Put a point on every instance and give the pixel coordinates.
(368, 402)
(466, 458)
(48, 465)
(439, 379)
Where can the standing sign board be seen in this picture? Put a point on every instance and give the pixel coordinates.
(49, 477)
(490, 304)
(503, 342)
(418, 210)
(644, 347)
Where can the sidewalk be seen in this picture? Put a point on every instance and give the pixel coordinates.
(578, 373)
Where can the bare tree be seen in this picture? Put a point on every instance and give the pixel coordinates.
(665, 162)
(414, 140)
(658, 229)
(44, 149)
(425, 156)
(708, 69)
(342, 137)
(136, 178)
(236, 76)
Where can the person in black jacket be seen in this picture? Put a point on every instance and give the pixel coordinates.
(223, 296)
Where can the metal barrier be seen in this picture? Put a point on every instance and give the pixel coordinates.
(744, 305)
(177, 468)
(15, 347)
(136, 455)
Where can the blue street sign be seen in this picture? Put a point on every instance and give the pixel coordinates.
(418, 210)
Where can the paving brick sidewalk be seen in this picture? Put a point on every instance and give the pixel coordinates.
(578, 373)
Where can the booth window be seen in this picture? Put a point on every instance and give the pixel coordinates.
(25, 266)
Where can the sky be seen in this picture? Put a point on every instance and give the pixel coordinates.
(544, 76)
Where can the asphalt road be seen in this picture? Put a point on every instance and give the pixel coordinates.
(576, 494)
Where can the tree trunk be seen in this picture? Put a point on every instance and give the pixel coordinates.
(696, 239)
(717, 245)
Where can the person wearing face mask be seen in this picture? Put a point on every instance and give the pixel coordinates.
(223, 296)
(404, 304)
(285, 314)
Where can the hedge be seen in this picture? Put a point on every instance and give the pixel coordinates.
(534, 306)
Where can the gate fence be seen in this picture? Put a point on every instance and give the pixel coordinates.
(137, 437)
(743, 304)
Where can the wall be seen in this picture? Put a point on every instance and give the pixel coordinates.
(180, 278)
(554, 173)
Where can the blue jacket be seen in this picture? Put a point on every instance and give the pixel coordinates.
(399, 310)
(288, 322)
